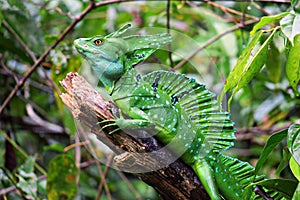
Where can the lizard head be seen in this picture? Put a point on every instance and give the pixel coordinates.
(99, 48)
(104, 54)
(113, 55)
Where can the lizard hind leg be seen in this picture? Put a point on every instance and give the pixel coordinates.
(205, 174)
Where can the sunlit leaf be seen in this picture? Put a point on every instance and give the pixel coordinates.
(249, 63)
(295, 168)
(272, 142)
(285, 186)
(61, 179)
(293, 141)
(290, 26)
(293, 64)
(267, 20)
(235, 74)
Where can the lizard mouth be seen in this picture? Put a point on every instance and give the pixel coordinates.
(81, 48)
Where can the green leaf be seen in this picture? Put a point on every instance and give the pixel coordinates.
(55, 147)
(297, 193)
(290, 26)
(50, 39)
(283, 162)
(272, 142)
(28, 166)
(27, 180)
(295, 5)
(249, 63)
(17, 3)
(293, 141)
(295, 168)
(285, 186)
(61, 180)
(293, 64)
(267, 20)
(1, 18)
(273, 63)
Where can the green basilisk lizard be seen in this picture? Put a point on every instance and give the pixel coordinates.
(181, 110)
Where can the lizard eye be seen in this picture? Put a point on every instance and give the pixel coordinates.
(98, 42)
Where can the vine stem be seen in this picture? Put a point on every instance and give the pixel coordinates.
(24, 154)
(212, 40)
(77, 19)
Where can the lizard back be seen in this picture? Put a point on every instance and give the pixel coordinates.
(181, 110)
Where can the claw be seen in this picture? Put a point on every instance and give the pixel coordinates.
(111, 122)
(115, 130)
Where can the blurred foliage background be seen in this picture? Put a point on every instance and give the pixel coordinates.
(35, 126)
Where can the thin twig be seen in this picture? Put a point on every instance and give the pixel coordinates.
(7, 69)
(168, 31)
(103, 178)
(274, 1)
(102, 174)
(260, 8)
(130, 186)
(212, 40)
(25, 47)
(51, 83)
(77, 19)
(229, 10)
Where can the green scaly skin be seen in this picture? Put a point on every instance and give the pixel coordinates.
(184, 113)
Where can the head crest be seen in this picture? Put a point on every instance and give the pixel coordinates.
(118, 32)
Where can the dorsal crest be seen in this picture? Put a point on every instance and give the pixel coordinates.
(200, 107)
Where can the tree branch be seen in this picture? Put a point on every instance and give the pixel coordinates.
(177, 181)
